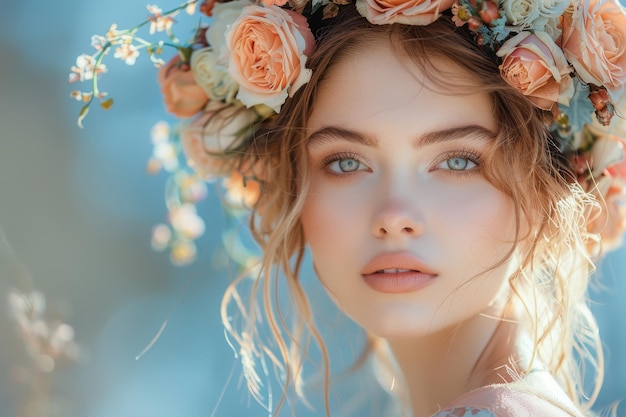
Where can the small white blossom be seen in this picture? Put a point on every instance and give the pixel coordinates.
(159, 22)
(127, 52)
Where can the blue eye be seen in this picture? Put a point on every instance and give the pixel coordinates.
(342, 165)
(459, 164)
(461, 161)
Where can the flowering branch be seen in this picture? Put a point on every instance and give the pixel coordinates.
(183, 191)
(90, 67)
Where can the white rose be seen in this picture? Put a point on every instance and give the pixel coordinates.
(213, 76)
(521, 13)
(551, 26)
(553, 9)
(219, 129)
(543, 16)
(224, 14)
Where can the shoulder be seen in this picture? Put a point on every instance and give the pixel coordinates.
(533, 396)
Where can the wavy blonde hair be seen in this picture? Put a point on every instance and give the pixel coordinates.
(551, 211)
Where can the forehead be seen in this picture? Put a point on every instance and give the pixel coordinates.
(375, 80)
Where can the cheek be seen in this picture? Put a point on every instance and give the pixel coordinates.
(325, 222)
(477, 226)
(481, 212)
(335, 230)
(322, 224)
(333, 213)
(476, 234)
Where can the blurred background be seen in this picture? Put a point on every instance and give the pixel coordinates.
(76, 212)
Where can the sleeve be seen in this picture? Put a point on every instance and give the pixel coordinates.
(465, 412)
(502, 401)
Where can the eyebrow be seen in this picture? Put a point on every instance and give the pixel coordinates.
(329, 133)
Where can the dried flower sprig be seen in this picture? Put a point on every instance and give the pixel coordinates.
(127, 46)
(47, 341)
(184, 189)
(484, 18)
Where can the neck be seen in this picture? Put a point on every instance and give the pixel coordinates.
(442, 366)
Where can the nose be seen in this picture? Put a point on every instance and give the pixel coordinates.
(396, 221)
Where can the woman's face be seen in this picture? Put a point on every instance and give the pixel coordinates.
(399, 218)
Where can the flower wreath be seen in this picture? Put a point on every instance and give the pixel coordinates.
(568, 57)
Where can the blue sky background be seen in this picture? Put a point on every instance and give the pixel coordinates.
(77, 207)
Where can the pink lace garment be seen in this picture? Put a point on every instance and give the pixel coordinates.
(536, 395)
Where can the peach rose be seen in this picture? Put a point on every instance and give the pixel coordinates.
(267, 49)
(183, 97)
(218, 129)
(594, 42)
(535, 65)
(224, 15)
(413, 12)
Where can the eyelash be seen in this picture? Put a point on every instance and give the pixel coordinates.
(468, 154)
(338, 157)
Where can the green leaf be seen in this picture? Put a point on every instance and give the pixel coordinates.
(82, 115)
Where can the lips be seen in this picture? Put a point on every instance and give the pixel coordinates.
(396, 262)
(397, 273)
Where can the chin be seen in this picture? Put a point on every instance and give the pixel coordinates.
(398, 323)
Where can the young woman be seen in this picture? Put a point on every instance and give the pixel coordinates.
(440, 162)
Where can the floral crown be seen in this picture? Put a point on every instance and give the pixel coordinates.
(568, 57)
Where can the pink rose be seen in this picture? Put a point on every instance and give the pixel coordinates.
(217, 130)
(413, 12)
(183, 97)
(535, 65)
(594, 41)
(267, 49)
(274, 2)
